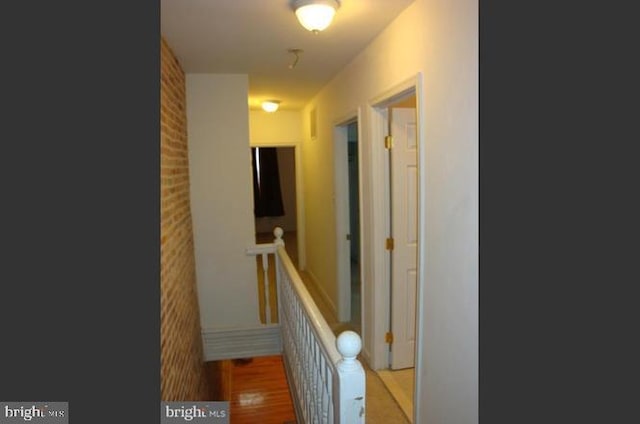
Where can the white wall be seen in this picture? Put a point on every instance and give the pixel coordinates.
(438, 38)
(283, 127)
(222, 199)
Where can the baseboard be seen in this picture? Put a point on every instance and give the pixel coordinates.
(241, 342)
(366, 357)
(325, 297)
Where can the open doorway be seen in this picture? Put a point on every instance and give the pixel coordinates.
(354, 225)
(275, 205)
(402, 177)
(396, 225)
(348, 249)
(269, 217)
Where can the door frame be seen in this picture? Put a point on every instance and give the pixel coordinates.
(300, 223)
(378, 128)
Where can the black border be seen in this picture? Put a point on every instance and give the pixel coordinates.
(558, 213)
(80, 303)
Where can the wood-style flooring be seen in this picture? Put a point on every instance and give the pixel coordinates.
(256, 388)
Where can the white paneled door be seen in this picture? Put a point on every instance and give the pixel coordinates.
(404, 223)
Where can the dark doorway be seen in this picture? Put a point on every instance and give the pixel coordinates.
(354, 223)
(288, 220)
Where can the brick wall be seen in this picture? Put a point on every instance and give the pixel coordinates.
(183, 374)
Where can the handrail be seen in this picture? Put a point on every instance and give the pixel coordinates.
(320, 325)
(260, 249)
(328, 382)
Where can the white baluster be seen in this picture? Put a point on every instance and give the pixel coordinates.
(328, 382)
(265, 271)
(351, 378)
(278, 232)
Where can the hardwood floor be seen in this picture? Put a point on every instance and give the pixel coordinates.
(257, 390)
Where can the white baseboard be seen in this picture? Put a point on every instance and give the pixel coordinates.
(366, 357)
(325, 297)
(241, 342)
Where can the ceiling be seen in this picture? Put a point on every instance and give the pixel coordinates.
(253, 37)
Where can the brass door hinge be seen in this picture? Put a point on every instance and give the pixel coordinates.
(389, 244)
(388, 142)
(388, 337)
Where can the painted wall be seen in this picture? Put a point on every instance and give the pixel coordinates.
(222, 199)
(182, 372)
(438, 38)
(319, 211)
(270, 129)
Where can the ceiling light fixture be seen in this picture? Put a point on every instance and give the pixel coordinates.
(315, 15)
(270, 105)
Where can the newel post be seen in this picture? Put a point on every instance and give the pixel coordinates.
(352, 378)
(278, 232)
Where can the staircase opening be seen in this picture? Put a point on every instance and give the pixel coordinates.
(256, 389)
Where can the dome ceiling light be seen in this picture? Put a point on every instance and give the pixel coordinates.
(270, 105)
(315, 15)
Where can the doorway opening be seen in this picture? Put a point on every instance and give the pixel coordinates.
(397, 225)
(403, 225)
(354, 225)
(348, 249)
(286, 217)
(275, 205)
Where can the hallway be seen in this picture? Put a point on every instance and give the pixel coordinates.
(255, 386)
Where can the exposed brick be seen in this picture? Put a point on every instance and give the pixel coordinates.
(182, 366)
